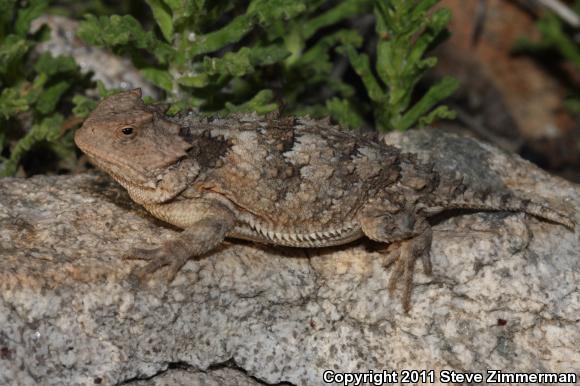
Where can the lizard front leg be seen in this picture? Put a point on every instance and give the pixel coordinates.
(205, 224)
(413, 234)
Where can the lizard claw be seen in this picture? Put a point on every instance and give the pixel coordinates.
(157, 258)
(170, 256)
(404, 259)
(144, 254)
(391, 254)
(404, 268)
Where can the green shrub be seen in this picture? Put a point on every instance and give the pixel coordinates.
(285, 50)
(33, 95)
(556, 38)
(406, 29)
(297, 56)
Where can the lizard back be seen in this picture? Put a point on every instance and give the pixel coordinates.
(290, 170)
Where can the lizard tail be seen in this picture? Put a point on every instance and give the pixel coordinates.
(512, 203)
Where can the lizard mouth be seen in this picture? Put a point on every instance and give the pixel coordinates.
(132, 178)
(125, 174)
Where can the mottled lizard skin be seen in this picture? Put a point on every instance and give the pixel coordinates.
(285, 181)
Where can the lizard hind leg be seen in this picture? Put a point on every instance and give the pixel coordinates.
(412, 234)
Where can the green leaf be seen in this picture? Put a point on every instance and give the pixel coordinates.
(555, 36)
(195, 81)
(552, 29)
(268, 11)
(12, 50)
(436, 93)
(26, 15)
(294, 44)
(314, 111)
(421, 8)
(12, 102)
(245, 60)
(317, 58)
(124, 32)
(361, 65)
(160, 78)
(213, 41)
(181, 8)
(49, 98)
(344, 9)
(111, 32)
(83, 105)
(437, 24)
(104, 92)
(406, 29)
(388, 62)
(47, 130)
(19, 98)
(32, 92)
(440, 112)
(163, 17)
(185, 104)
(344, 113)
(260, 103)
(51, 66)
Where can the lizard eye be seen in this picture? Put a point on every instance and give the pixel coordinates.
(128, 130)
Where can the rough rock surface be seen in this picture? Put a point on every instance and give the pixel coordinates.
(504, 292)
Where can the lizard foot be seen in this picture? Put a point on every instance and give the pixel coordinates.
(404, 259)
(412, 235)
(201, 237)
(158, 258)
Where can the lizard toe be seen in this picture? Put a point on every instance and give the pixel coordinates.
(144, 254)
(163, 258)
(404, 269)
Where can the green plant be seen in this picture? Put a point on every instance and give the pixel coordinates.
(555, 37)
(224, 56)
(267, 50)
(406, 30)
(32, 93)
(284, 49)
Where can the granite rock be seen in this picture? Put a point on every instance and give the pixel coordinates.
(504, 293)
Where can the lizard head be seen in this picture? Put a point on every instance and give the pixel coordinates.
(137, 146)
